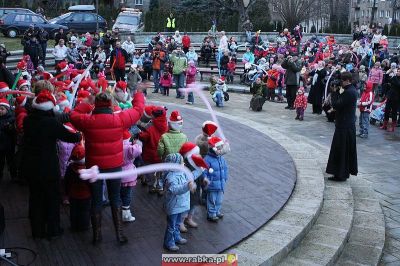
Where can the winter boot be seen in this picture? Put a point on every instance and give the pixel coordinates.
(393, 126)
(384, 126)
(183, 228)
(117, 219)
(96, 226)
(189, 222)
(127, 215)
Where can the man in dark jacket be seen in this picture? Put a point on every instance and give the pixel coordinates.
(5, 74)
(118, 60)
(293, 66)
(41, 166)
(343, 155)
(60, 35)
(34, 50)
(43, 37)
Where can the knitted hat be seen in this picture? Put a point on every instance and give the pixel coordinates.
(215, 142)
(78, 154)
(5, 103)
(188, 149)
(44, 101)
(63, 66)
(20, 100)
(209, 128)
(22, 65)
(3, 87)
(23, 82)
(300, 90)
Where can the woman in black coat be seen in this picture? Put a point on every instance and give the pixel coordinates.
(392, 103)
(41, 167)
(343, 155)
(317, 90)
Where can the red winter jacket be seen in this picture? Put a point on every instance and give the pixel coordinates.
(186, 41)
(150, 138)
(20, 114)
(103, 131)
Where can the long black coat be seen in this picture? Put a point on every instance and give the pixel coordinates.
(343, 155)
(7, 131)
(317, 90)
(41, 131)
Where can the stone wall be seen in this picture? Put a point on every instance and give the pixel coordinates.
(197, 37)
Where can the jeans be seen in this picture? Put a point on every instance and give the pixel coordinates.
(364, 123)
(156, 79)
(113, 188)
(214, 201)
(248, 36)
(219, 98)
(180, 83)
(126, 196)
(300, 112)
(190, 97)
(172, 233)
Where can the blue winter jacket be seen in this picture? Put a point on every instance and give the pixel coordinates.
(219, 176)
(177, 194)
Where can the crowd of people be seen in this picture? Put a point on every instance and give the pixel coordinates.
(54, 124)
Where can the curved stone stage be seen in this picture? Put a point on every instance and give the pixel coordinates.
(261, 179)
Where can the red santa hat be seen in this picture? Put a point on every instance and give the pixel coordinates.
(44, 101)
(78, 154)
(3, 86)
(126, 135)
(101, 75)
(82, 94)
(63, 66)
(221, 79)
(5, 103)
(68, 84)
(59, 85)
(26, 58)
(209, 128)
(47, 75)
(175, 117)
(20, 100)
(148, 111)
(121, 85)
(22, 65)
(215, 142)
(84, 84)
(62, 100)
(22, 82)
(188, 149)
(70, 127)
(117, 109)
(198, 162)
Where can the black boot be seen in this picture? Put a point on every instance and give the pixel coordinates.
(117, 219)
(96, 226)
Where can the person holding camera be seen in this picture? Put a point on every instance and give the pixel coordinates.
(342, 160)
(158, 56)
(293, 66)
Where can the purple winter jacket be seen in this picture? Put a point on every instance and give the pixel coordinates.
(131, 151)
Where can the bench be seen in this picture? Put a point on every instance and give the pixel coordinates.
(206, 71)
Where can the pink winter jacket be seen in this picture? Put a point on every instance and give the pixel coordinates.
(166, 82)
(131, 151)
(375, 75)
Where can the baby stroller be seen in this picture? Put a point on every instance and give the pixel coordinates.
(378, 114)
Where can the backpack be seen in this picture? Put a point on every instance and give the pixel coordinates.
(256, 103)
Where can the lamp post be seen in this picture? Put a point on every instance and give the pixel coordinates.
(373, 14)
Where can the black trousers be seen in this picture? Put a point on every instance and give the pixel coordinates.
(119, 74)
(391, 109)
(9, 157)
(79, 213)
(317, 108)
(291, 91)
(44, 207)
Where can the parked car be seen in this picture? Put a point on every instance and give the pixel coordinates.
(14, 24)
(129, 20)
(7, 10)
(81, 19)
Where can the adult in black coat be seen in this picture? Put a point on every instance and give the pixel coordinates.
(41, 167)
(43, 37)
(317, 90)
(392, 103)
(6, 75)
(343, 155)
(34, 50)
(293, 66)
(60, 35)
(7, 139)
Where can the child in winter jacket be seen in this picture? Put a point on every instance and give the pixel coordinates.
(7, 136)
(365, 105)
(231, 70)
(165, 83)
(177, 202)
(150, 137)
(191, 79)
(78, 191)
(300, 103)
(362, 77)
(133, 78)
(172, 141)
(220, 89)
(273, 75)
(216, 179)
(376, 77)
(131, 151)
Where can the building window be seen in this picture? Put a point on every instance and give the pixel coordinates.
(387, 13)
(139, 2)
(381, 14)
(362, 13)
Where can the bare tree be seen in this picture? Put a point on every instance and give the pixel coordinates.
(241, 6)
(293, 12)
